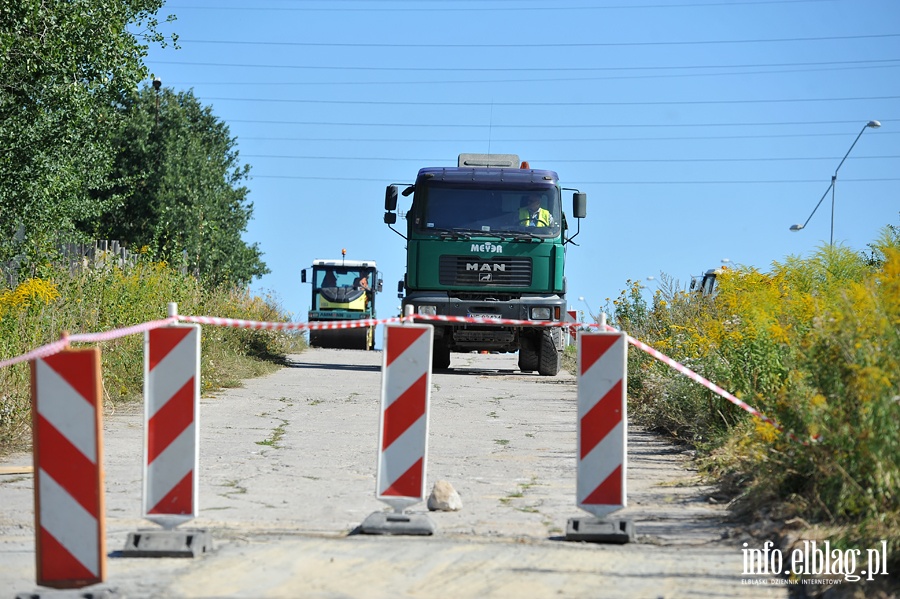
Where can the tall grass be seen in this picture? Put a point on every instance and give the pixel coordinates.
(813, 344)
(38, 310)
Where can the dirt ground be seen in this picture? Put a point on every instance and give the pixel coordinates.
(287, 475)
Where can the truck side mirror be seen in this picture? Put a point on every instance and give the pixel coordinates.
(303, 276)
(390, 218)
(378, 286)
(579, 205)
(390, 198)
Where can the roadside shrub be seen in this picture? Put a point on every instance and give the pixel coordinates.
(109, 297)
(813, 344)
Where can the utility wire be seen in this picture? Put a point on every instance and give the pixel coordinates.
(547, 139)
(481, 8)
(571, 161)
(535, 79)
(545, 126)
(554, 69)
(533, 45)
(582, 183)
(559, 104)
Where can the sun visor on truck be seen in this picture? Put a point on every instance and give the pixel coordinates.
(489, 160)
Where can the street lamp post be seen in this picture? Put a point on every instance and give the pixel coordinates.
(591, 312)
(869, 125)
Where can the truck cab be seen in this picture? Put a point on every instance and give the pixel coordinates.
(486, 241)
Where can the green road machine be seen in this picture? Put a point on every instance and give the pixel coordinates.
(343, 291)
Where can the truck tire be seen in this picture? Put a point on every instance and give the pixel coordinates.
(529, 359)
(550, 357)
(440, 355)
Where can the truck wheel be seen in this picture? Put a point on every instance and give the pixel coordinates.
(314, 339)
(440, 356)
(363, 342)
(528, 354)
(550, 357)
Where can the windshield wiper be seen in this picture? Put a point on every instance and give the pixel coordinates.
(504, 235)
(489, 234)
(524, 235)
(448, 233)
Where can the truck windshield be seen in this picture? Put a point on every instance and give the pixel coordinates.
(491, 211)
(338, 276)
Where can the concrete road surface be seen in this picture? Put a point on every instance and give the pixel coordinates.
(287, 475)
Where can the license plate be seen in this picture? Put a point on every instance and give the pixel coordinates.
(494, 316)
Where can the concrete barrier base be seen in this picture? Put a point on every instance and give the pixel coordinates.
(167, 543)
(82, 593)
(592, 530)
(393, 523)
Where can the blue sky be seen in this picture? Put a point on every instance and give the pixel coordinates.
(700, 130)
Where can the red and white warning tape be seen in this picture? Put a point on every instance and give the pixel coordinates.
(639, 344)
(61, 344)
(483, 320)
(698, 379)
(287, 326)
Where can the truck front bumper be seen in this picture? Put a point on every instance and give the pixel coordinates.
(485, 336)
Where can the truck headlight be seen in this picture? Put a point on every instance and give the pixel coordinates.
(540, 313)
(428, 310)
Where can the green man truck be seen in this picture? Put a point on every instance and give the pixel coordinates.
(487, 240)
(343, 290)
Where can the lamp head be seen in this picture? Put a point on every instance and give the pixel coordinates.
(873, 124)
(796, 227)
(157, 84)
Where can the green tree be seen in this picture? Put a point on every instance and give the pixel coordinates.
(180, 189)
(65, 65)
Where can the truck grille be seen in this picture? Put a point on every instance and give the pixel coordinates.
(486, 272)
(483, 336)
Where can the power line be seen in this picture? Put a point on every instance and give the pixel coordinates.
(527, 69)
(569, 161)
(762, 182)
(581, 183)
(546, 139)
(545, 126)
(530, 45)
(525, 104)
(537, 79)
(482, 8)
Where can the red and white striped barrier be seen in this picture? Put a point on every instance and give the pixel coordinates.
(403, 427)
(68, 488)
(602, 422)
(572, 323)
(171, 425)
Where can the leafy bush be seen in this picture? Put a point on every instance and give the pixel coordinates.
(813, 344)
(100, 299)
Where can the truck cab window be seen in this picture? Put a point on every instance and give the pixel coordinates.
(475, 210)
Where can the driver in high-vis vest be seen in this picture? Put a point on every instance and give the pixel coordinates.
(532, 215)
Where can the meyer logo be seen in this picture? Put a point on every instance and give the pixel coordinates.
(487, 247)
(485, 267)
